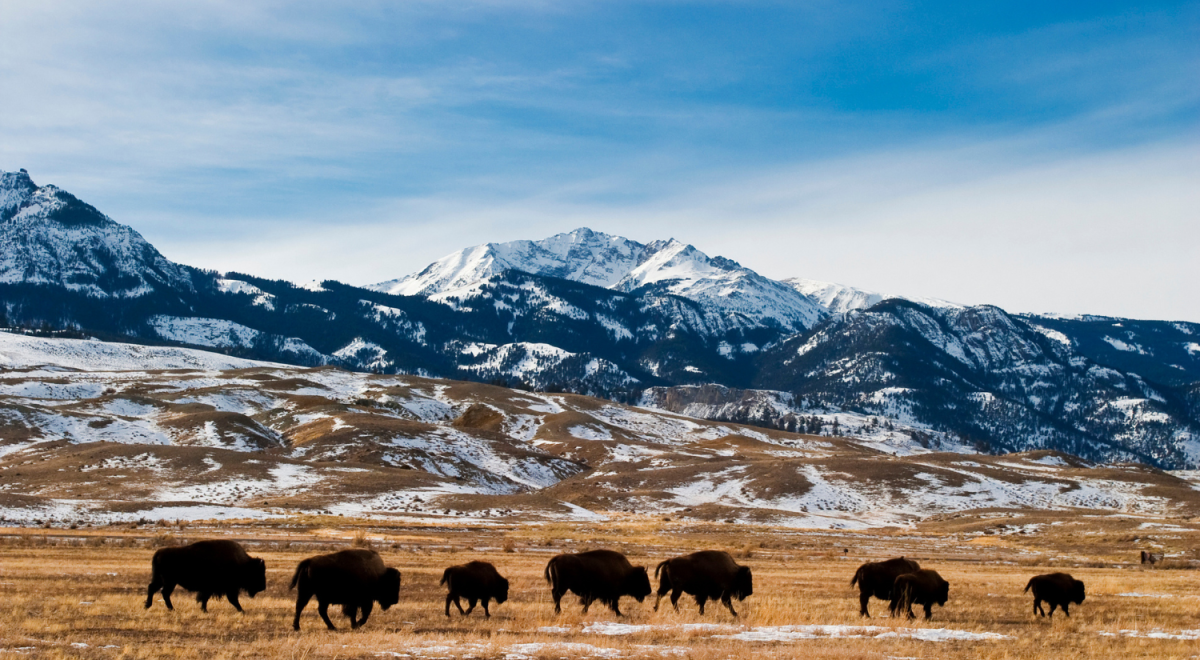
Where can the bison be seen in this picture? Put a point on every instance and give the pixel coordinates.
(354, 579)
(707, 575)
(602, 575)
(876, 578)
(208, 568)
(924, 587)
(475, 581)
(1058, 589)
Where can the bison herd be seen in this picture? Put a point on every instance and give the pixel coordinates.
(903, 583)
(358, 579)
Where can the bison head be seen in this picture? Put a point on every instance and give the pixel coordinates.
(254, 576)
(943, 593)
(1077, 592)
(743, 583)
(501, 594)
(388, 588)
(637, 583)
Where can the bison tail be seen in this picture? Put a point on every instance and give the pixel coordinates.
(857, 576)
(1028, 586)
(660, 566)
(551, 572)
(300, 570)
(445, 577)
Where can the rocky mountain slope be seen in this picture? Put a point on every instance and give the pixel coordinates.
(655, 323)
(52, 238)
(93, 431)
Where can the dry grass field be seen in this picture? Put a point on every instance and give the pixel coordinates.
(78, 593)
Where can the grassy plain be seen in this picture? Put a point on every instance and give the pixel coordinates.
(78, 593)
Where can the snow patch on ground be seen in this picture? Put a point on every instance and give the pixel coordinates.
(795, 633)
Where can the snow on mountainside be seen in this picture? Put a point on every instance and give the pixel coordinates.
(267, 441)
(590, 313)
(27, 352)
(616, 263)
(52, 238)
(839, 298)
(985, 375)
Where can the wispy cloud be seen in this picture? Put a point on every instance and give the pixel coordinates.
(937, 149)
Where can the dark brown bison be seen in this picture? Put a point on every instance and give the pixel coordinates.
(476, 581)
(602, 575)
(875, 578)
(208, 568)
(1058, 589)
(707, 575)
(925, 587)
(354, 579)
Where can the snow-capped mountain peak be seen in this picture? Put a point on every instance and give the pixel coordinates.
(15, 190)
(613, 262)
(582, 255)
(840, 298)
(50, 237)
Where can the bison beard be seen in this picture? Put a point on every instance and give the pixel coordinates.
(602, 575)
(876, 579)
(925, 587)
(354, 579)
(475, 581)
(1058, 589)
(706, 575)
(208, 568)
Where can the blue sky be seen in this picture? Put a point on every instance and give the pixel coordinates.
(1040, 156)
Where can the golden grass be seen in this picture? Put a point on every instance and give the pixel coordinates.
(78, 594)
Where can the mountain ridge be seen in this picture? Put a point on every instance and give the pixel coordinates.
(613, 262)
(649, 317)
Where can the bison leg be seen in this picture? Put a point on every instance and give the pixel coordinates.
(155, 585)
(587, 602)
(928, 611)
(675, 598)
(615, 604)
(323, 610)
(486, 613)
(1037, 607)
(1066, 609)
(1052, 606)
(471, 605)
(557, 600)
(167, 590)
(233, 600)
(202, 598)
(728, 602)
(302, 599)
(450, 599)
(863, 598)
(657, 597)
(366, 613)
(701, 600)
(351, 612)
